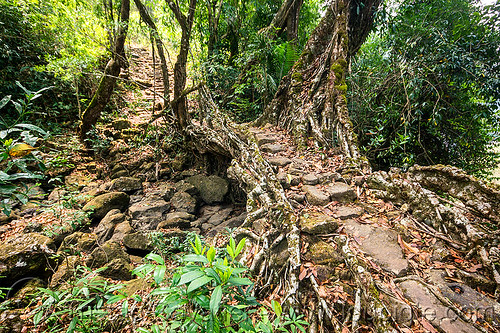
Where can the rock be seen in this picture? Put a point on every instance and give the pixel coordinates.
(381, 244)
(133, 286)
(106, 253)
(184, 186)
(231, 224)
(315, 196)
(138, 241)
(181, 220)
(126, 184)
(212, 189)
(118, 174)
(296, 171)
(345, 212)
(102, 204)
(11, 321)
(118, 269)
(341, 192)
(310, 179)
(284, 180)
(166, 191)
(121, 124)
(121, 229)
(469, 300)
(263, 138)
(106, 227)
(57, 195)
(328, 177)
(146, 214)
(65, 271)
(298, 197)
(280, 161)
(117, 168)
(24, 296)
(75, 182)
(440, 316)
(322, 253)
(272, 148)
(77, 242)
(183, 202)
(317, 223)
(25, 255)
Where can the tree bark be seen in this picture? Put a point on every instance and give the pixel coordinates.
(159, 45)
(179, 103)
(311, 99)
(107, 84)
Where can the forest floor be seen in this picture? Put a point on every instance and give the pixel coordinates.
(425, 279)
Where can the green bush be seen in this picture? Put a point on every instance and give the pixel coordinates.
(425, 88)
(210, 293)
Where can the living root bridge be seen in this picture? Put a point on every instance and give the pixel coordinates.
(266, 199)
(279, 232)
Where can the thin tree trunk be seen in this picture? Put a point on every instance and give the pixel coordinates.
(179, 103)
(107, 84)
(159, 45)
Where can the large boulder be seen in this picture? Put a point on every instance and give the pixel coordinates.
(183, 202)
(146, 214)
(126, 184)
(181, 220)
(77, 242)
(341, 192)
(25, 255)
(65, 271)
(102, 204)
(138, 241)
(106, 227)
(212, 189)
(114, 257)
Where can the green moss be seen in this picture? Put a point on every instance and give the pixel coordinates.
(341, 87)
(297, 77)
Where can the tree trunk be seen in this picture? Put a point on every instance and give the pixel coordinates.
(214, 9)
(292, 22)
(179, 103)
(107, 84)
(159, 45)
(311, 99)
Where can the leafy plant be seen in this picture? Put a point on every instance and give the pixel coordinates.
(17, 141)
(210, 293)
(424, 88)
(80, 308)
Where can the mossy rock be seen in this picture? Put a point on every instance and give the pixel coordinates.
(315, 223)
(102, 204)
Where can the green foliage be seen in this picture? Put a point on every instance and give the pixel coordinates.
(17, 162)
(81, 307)
(425, 88)
(210, 293)
(47, 43)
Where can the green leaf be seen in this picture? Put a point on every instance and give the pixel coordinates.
(195, 258)
(190, 276)
(37, 317)
(239, 281)
(276, 307)
(240, 246)
(115, 298)
(4, 101)
(159, 273)
(32, 128)
(155, 257)
(215, 300)
(125, 308)
(72, 325)
(211, 254)
(199, 282)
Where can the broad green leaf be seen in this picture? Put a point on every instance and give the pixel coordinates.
(211, 254)
(190, 276)
(215, 300)
(72, 325)
(125, 308)
(240, 246)
(237, 281)
(155, 257)
(159, 273)
(115, 298)
(276, 307)
(199, 282)
(32, 128)
(195, 258)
